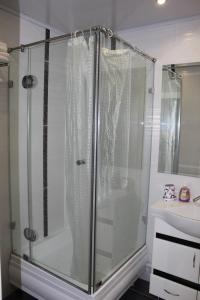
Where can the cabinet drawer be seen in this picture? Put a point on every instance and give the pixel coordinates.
(175, 259)
(170, 290)
(198, 296)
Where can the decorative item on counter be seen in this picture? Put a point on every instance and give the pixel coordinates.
(184, 194)
(169, 192)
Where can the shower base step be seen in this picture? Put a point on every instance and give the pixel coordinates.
(44, 286)
(139, 291)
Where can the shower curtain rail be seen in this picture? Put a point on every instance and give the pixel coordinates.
(135, 49)
(76, 33)
(107, 31)
(168, 69)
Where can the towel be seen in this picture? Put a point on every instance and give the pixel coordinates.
(4, 54)
(4, 57)
(3, 47)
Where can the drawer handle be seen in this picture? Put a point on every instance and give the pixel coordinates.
(172, 294)
(194, 260)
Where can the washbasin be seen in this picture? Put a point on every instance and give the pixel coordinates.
(183, 216)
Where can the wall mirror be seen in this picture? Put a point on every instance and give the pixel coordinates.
(179, 149)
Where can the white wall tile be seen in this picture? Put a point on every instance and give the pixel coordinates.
(4, 179)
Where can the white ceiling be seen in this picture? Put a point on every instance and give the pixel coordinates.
(69, 15)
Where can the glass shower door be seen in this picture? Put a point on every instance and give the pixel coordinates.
(18, 68)
(59, 157)
(125, 113)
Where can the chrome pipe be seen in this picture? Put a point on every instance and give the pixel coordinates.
(107, 31)
(135, 49)
(59, 37)
(95, 139)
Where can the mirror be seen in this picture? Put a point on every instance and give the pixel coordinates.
(179, 149)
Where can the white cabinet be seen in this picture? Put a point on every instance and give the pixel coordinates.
(167, 289)
(175, 264)
(178, 260)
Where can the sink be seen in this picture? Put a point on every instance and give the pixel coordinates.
(183, 216)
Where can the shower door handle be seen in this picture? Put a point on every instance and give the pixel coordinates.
(80, 162)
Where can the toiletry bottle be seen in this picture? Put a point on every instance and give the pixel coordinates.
(169, 192)
(184, 194)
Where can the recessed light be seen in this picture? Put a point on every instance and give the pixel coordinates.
(160, 2)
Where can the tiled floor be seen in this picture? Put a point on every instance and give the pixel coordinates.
(139, 291)
(19, 295)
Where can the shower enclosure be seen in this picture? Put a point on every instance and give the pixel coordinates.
(80, 141)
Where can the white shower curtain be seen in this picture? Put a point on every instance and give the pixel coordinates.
(116, 79)
(79, 106)
(122, 100)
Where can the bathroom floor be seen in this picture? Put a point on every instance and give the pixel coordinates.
(19, 295)
(139, 291)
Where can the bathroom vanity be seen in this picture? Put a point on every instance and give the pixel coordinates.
(176, 251)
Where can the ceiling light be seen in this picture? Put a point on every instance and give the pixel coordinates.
(160, 2)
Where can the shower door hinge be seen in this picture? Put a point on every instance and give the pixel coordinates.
(30, 234)
(12, 225)
(151, 91)
(99, 283)
(26, 257)
(10, 84)
(81, 162)
(29, 81)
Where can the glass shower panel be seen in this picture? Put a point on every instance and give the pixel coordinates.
(60, 139)
(79, 63)
(46, 158)
(125, 113)
(18, 68)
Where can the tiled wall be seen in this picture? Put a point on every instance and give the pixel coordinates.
(175, 42)
(4, 177)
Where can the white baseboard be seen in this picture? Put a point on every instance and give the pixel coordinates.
(147, 273)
